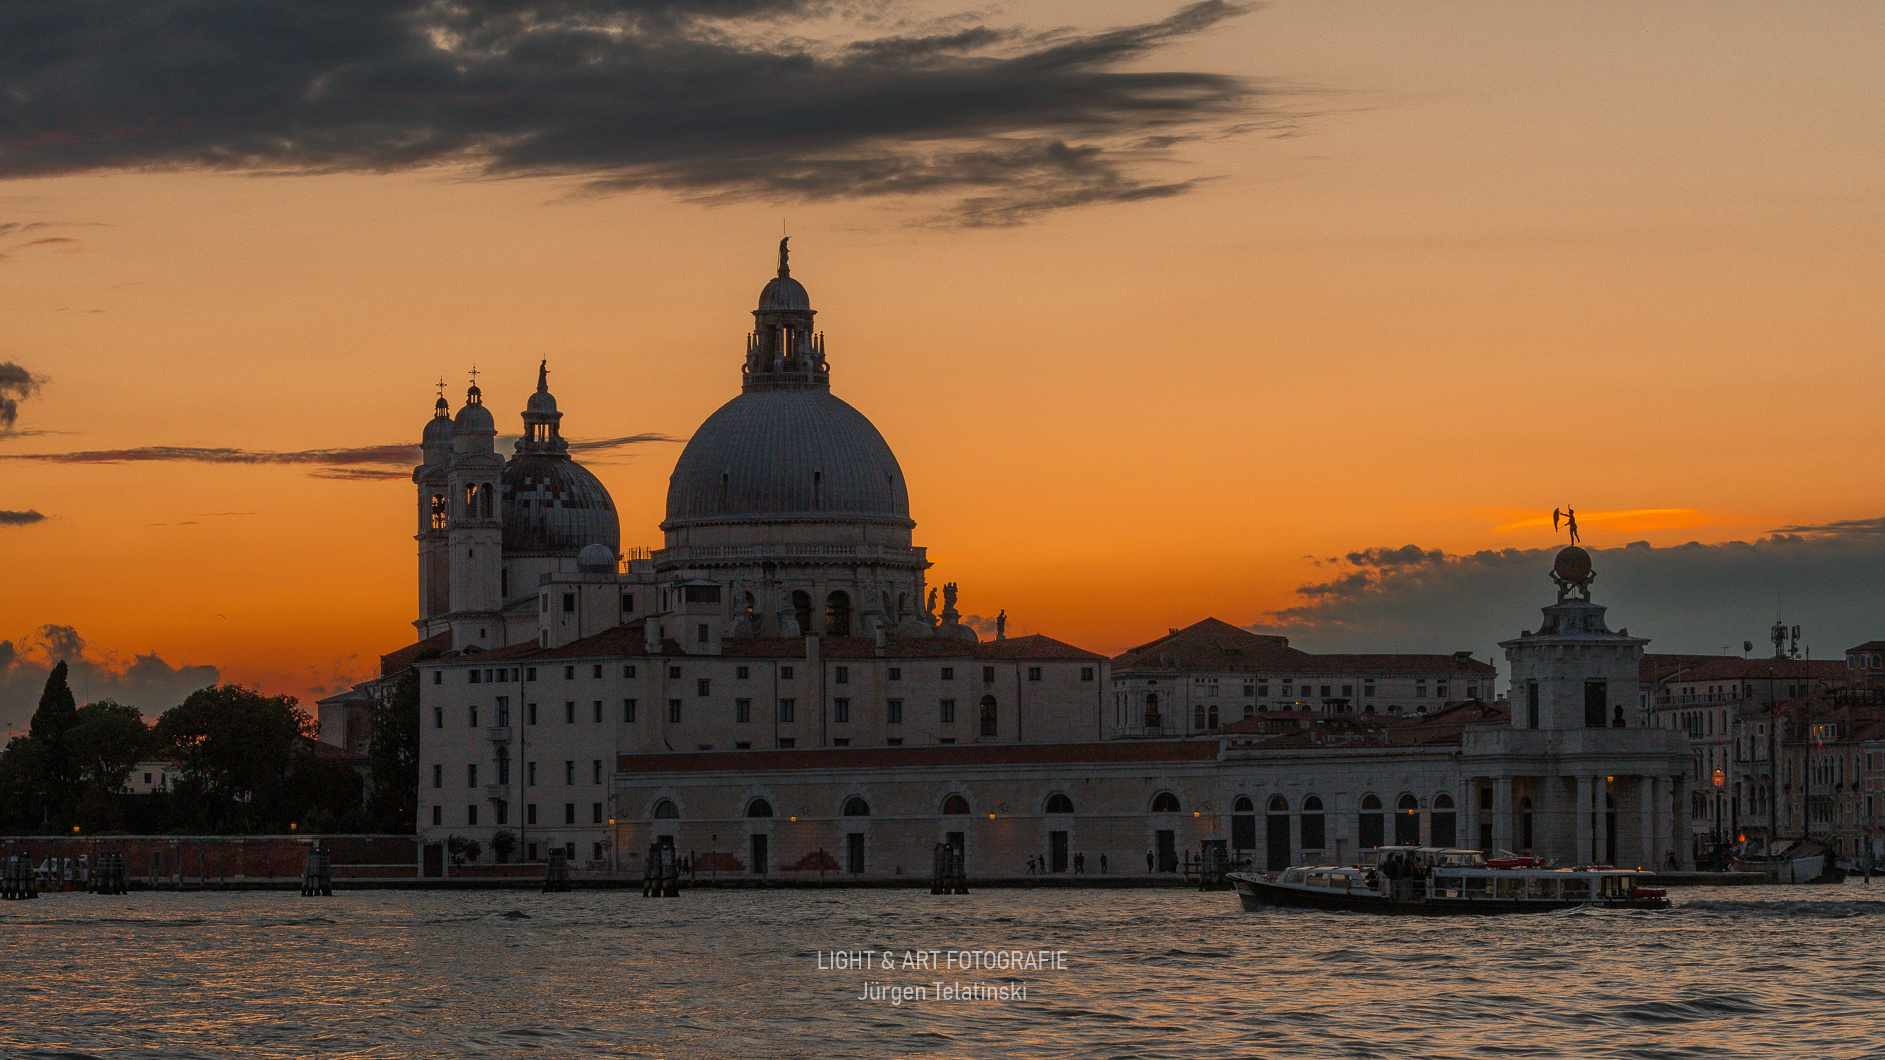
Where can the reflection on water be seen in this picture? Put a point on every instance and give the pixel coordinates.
(1742, 972)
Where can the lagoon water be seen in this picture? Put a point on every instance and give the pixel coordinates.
(1729, 972)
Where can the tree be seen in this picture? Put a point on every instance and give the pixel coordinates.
(462, 849)
(235, 747)
(107, 743)
(52, 724)
(393, 756)
(326, 792)
(503, 841)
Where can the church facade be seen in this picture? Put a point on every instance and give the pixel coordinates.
(778, 689)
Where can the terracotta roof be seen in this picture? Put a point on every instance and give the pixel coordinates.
(1870, 645)
(394, 662)
(630, 640)
(928, 755)
(1216, 645)
(1658, 666)
(1738, 669)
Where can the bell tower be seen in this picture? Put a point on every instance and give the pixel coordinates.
(433, 492)
(475, 525)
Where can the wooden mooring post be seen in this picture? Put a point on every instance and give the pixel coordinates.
(949, 873)
(317, 878)
(17, 879)
(556, 873)
(661, 878)
(108, 874)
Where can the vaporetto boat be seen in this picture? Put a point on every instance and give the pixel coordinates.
(1447, 882)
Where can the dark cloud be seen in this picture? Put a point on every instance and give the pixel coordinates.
(145, 681)
(1686, 598)
(16, 385)
(709, 98)
(20, 518)
(367, 462)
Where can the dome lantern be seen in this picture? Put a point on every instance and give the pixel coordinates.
(783, 352)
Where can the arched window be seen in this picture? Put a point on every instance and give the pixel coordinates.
(1152, 719)
(855, 806)
(1279, 804)
(955, 805)
(1407, 821)
(1243, 824)
(440, 516)
(1059, 803)
(991, 721)
(471, 501)
(665, 810)
(802, 610)
(1443, 826)
(1313, 832)
(1243, 805)
(1164, 802)
(838, 614)
(1525, 823)
(759, 808)
(484, 500)
(1371, 830)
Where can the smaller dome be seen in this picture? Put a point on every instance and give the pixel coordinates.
(784, 292)
(1573, 566)
(476, 418)
(541, 402)
(595, 559)
(438, 431)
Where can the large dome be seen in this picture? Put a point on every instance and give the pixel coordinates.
(787, 454)
(553, 504)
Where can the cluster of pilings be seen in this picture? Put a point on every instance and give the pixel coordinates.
(949, 872)
(662, 877)
(108, 874)
(317, 877)
(17, 879)
(556, 873)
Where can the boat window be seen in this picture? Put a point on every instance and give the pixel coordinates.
(1478, 887)
(1293, 876)
(1541, 887)
(1577, 889)
(1446, 887)
(1612, 887)
(1511, 887)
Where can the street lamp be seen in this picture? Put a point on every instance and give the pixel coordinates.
(1720, 779)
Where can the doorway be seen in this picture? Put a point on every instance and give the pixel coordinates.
(1057, 852)
(759, 854)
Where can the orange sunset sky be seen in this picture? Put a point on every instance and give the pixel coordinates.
(1438, 269)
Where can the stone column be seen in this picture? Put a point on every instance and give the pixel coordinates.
(1580, 811)
(1646, 815)
(1469, 814)
(1502, 813)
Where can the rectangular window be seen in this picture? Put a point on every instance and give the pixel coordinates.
(530, 713)
(1531, 704)
(893, 712)
(841, 675)
(947, 710)
(947, 739)
(471, 814)
(438, 776)
(438, 717)
(785, 673)
(787, 741)
(595, 771)
(1348, 691)
(1034, 673)
(674, 712)
(503, 812)
(703, 686)
(1325, 691)
(569, 713)
(1596, 695)
(988, 675)
(740, 673)
(628, 671)
(948, 673)
(569, 813)
(504, 711)
(569, 771)
(438, 815)
(530, 813)
(742, 745)
(786, 709)
(530, 673)
(700, 633)
(840, 741)
(1263, 690)
(471, 774)
(569, 602)
(1440, 689)
(628, 601)
(742, 711)
(530, 773)
(596, 672)
(1086, 674)
(595, 813)
(569, 673)
(628, 711)
(474, 677)
(894, 741)
(543, 603)
(840, 709)
(438, 678)
(674, 673)
(895, 674)
(596, 711)
(472, 713)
